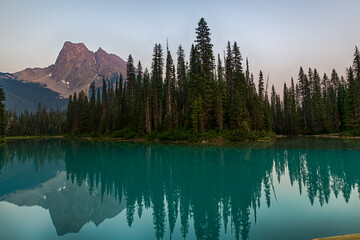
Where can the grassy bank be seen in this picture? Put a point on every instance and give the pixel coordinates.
(30, 137)
(179, 135)
(183, 135)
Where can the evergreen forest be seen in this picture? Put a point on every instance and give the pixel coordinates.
(203, 97)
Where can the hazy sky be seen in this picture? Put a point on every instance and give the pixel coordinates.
(277, 36)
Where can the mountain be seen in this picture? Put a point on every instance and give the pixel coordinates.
(22, 95)
(70, 206)
(76, 67)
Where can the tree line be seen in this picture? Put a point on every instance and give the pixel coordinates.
(199, 95)
(318, 104)
(203, 95)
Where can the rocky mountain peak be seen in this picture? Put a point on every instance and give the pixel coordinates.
(76, 67)
(77, 51)
(100, 50)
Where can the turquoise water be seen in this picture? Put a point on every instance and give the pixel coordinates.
(294, 188)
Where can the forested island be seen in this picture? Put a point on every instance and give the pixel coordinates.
(203, 98)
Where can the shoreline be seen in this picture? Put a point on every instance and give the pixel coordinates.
(217, 141)
(355, 236)
(331, 135)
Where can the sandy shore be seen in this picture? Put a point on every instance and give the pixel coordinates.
(343, 237)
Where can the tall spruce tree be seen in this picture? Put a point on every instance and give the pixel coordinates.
(318, 105)
(356, 63)
(182, 82)
(83, 113)
(238, 111)
(305, 98)
(206, 57)
(261, 85)
(294, 115)
(157, 86)
(92, 108)
(2, 112)
(352, 107)
(287, 111)
(221, 99)
(140, 101)
(332, 108)
(169, 88)
(131, 88)
(196, 89)
(147, 101)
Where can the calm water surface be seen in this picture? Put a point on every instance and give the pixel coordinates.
(297, 188)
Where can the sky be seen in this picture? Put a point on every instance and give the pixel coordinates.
(276, 36)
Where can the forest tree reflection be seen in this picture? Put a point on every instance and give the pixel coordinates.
(215, 188)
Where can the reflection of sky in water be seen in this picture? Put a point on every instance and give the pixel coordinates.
(202, 177)
(294, 215)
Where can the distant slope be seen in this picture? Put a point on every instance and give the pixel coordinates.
(21, 95)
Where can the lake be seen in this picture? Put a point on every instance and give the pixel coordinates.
(293, 188)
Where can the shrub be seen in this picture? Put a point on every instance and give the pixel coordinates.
(352, 133)
(126, 133)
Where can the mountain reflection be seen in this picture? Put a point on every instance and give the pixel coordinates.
(213, 189)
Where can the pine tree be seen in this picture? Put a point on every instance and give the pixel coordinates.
(279, 114)
(196, 89)
(92, 109)
(332, 108)
(356, 68)
(287, 111)
(221, 99)
(198, 115)
(305, 99)
(341, 103)
(294, 115)
(75, 118)
(131, 85)
(69, 115)
(83, 113)
(169, 87)
(238, 111)
(247, 72)
(205, 53)
(204, 47)
(356, 63)
(121, 104)
(98, 110)
(318, 105)
(182, 82)
(157, 86)
(2, 112)
(261, 85)
(352, 101)
(147, 106)
(229, 72)
(325, 85)
(104, 109)
(276, 113)
(140, 103)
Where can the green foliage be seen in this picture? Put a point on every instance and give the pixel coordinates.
(2, 112)
(352, 133)
(126, 133)
(240, 134)
(176, 134)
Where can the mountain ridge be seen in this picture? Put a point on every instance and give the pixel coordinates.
(75, 68)
(21, 96)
